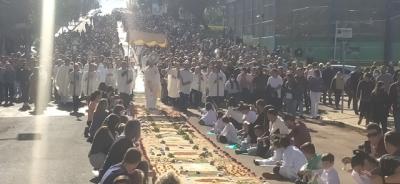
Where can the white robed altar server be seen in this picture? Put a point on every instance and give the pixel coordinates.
(75, 85)
(216, 83)
(125, 79)
(152, 84)
(101, 73)
(90, 80)
(173, 80)
(111, 76)
(62, 82)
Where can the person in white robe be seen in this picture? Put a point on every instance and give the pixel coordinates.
(197, 87)
(62, 82)
(216, 85)
(124, 83)
(89, 80)
(152, 85)
(101, 72)
(75, 86)
(184, 84)
(172, 85)
(110, 76)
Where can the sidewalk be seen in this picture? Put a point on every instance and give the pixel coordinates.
(347, 118)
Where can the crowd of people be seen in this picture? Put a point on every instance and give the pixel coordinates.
(252, 97)
(227, 78)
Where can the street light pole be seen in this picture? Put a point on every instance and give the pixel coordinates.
(334, 47)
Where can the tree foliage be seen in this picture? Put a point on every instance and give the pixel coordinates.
(23, 17)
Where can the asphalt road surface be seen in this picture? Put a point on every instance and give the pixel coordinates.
(43, 149)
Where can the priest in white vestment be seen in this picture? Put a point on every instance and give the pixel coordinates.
(216, 85)
(75, 86)
(124, 82)
(152, 85)
(172, 85)
(62, 82)
(184, 85)
(111, 76)
(197, 87)
(89, 80)
(101, 72)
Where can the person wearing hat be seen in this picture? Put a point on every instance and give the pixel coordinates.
(364, 91)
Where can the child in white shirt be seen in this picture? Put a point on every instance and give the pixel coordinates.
(209, 117)
(229, 133)
(219, 125)
(329, 174)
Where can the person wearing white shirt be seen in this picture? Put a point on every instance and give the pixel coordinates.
(275, 82)
(219, 124)
(229, 133)
(277, 125)
(329, 174)
(209, 117)
(235, 114)
(292, 161)
(249, 115)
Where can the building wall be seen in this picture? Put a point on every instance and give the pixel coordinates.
(310, 25)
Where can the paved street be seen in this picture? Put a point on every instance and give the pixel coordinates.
(57, 156)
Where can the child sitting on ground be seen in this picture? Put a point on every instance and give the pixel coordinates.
(329, 174)
(247, 147)
(219, 125)
(209, 117)
(229, 133)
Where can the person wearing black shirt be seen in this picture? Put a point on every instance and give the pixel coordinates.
(259, 83)
(327, 75)
(121, 145)
(364, 91)
(23, 75)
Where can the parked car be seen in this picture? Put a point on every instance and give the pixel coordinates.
(347, 70)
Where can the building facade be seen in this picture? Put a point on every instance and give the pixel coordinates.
(307, 27)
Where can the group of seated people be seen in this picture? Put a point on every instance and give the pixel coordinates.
(115, 152)
(285, 144)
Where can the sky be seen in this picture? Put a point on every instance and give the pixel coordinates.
(108, 5)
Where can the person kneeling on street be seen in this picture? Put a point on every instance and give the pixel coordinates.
(292, 161)
(131, 165)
